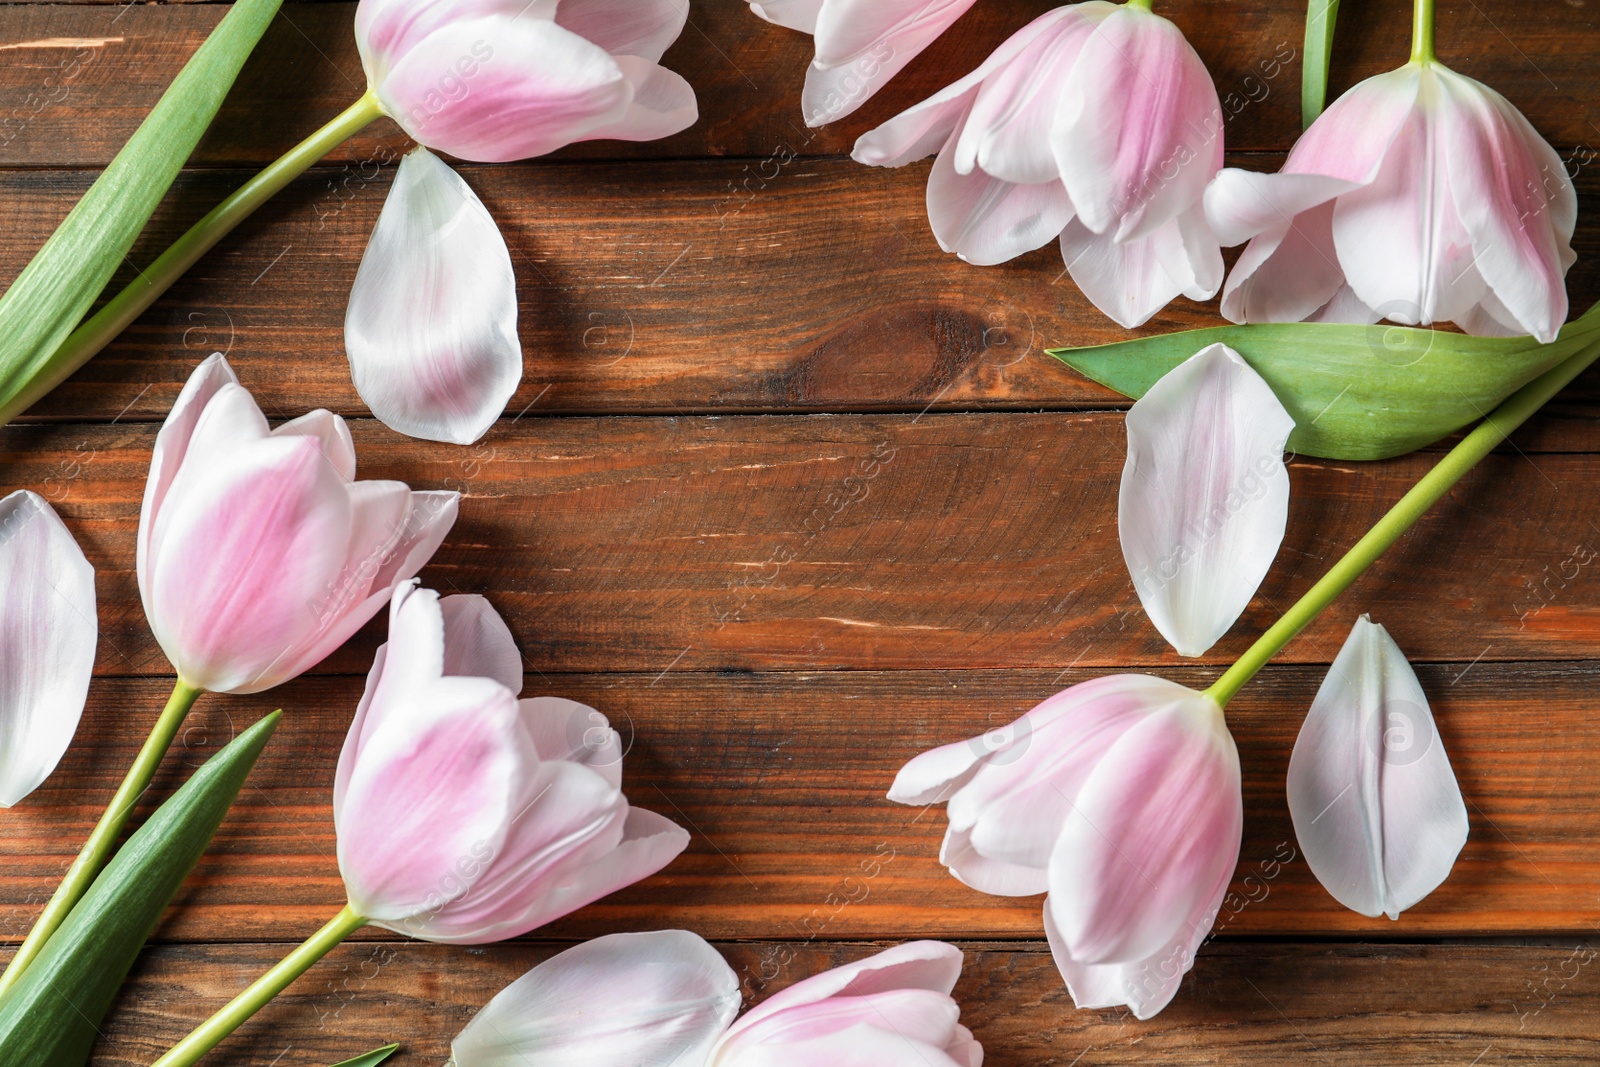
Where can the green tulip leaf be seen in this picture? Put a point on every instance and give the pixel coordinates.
(60, 284)
(1355, 392)
(1321, 15)
(50, 1018)
(371, 1059)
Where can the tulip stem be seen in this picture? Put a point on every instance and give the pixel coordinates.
(1422, 32)
(1435, 484)
(210, 1033)
(1142, 5)
(102, 840)
(101, 328)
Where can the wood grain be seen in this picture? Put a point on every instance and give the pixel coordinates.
(780, 780)
(881, 542)
(662, 289)
(1242, 1006)
(747, 75)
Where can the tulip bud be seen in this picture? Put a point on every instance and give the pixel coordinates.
(259, 553)
(1119, 797)
(892, 1008)
(1096, 124)
(465, 815)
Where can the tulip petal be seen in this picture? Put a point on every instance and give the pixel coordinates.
(794, 14)
(1286, 273)
(643, 28)
(493, 90)
(331, 434)
(478, 643)
(641, 1000)
(1132, 280)
(48, 631)
(862, 44)
(663, 104)
(1205, 495)
(567, 730)
(930, 965)
(431, 328)
(1155, 827)
(172, 440)
(1240, 204)
(1374, 801)
(1139, 133)
(987, 221)
(386, 29)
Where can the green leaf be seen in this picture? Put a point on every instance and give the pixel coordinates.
(1321, 15)
(51, 1017)
(1355, 392)
(371, 1059)
(60, 284)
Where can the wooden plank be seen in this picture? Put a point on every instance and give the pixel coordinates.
(1243, 1006)
(780, 779)
(881, 541)
(747, 74)
(659, 290)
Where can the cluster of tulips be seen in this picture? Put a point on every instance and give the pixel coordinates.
(466, 814)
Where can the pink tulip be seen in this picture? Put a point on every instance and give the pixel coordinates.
(1420, 196)
(497, 80)
(861, 44)
(465, 815)
(889, 1010)
(1096, 124)
(1120, 798)
(259, 553)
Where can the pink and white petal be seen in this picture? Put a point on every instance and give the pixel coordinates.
(863, 1045)
(1242, 204)
(794, 14)
(1205, 495)
(1007, 133)
(431, 328)
(921, 129)
(1515, 201)
(48, 632)
(355, 737)
(667, 997)
(387, 29)
(1131, 281)
(1286, 273)
(1156, 825)
(663, 104)
(1353, 137)
(987, 221)
(331, 432)
(930, 1016)
(928, 965)
(495, 90)
(1345, 306)
(932, 777)
(643, 28)
(1490, 318)
(429, 798)
(172, 440)
(567, 730)
(478, 643)
(862, 44)
(997, 877)
(1375, 804)
(964, 1048)
(1139, 134)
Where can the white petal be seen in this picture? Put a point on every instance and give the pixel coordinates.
(1375, 804)
(48, 629)
(1205, 495)
(861, 44)
(663, 103)
(795, 14)
(1287, 272)
(987, 221)
(631, 1000)
(643, 28)
(478, 643)
(1132, 280)
(432, 325)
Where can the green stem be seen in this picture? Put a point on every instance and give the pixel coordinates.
(1411, 507)
(97, 850)
(210, 1033)
(101, 328)
(1422, 32)
(1142, 5)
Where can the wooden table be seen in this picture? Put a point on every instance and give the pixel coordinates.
(720, 328)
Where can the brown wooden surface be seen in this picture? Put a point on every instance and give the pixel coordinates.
(779, 325)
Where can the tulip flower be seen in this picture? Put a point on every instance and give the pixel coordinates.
(1205, 495)
(1375, 804)
(641, 1000)
(1120, 798)
(861, 44)
(1096, 124)
(464, 815)
(1420, 196)
(893, 1009)
(431, 327)
(48, 630)
(258, 554)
